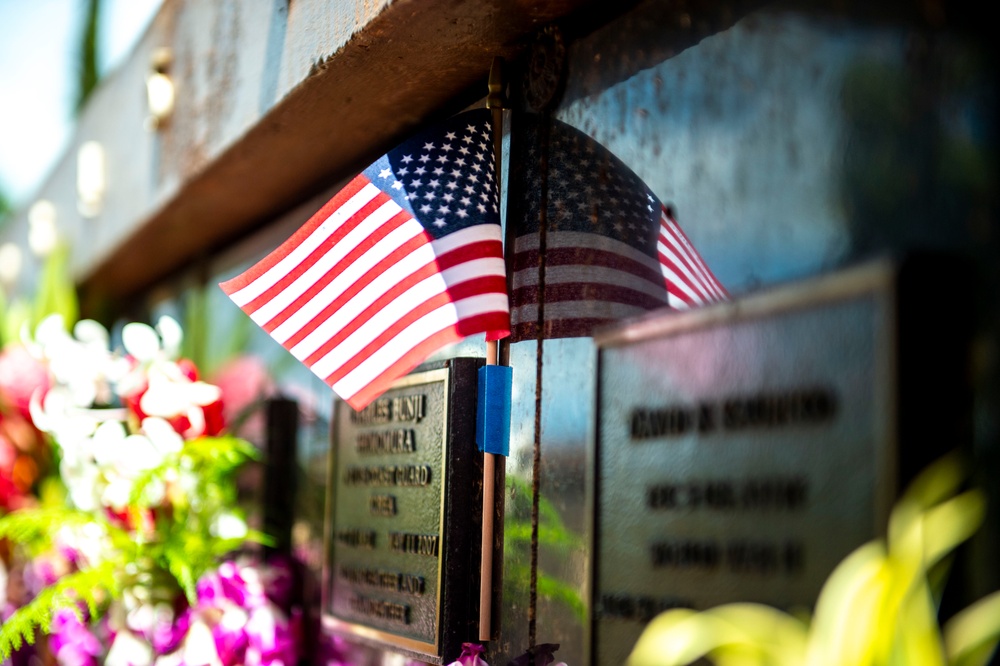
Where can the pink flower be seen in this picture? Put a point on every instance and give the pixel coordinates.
(244, 382)
(20, 376)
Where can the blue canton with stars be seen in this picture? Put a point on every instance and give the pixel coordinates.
(444, 177)
(589, 189)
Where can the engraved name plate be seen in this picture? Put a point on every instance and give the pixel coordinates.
(743, 450)
(403, 524)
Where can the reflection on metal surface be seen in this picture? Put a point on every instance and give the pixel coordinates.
(545, 78)
(401, 516)
(595, 244)
(741, 451)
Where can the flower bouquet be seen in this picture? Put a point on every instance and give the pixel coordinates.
(131, 568)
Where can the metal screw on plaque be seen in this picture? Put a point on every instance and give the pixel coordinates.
(546, 74)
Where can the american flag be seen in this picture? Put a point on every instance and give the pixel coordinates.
(404, 260)
(612, 249)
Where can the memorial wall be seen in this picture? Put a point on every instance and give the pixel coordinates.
(750, 252)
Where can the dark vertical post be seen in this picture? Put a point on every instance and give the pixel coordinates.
(279, 476)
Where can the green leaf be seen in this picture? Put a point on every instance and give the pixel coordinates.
(971, 636)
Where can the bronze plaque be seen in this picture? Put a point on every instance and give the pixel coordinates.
(404, 500)
(741, 450)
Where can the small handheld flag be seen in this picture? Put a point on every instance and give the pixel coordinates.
(406, 259)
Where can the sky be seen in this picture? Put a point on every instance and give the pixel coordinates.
(39, 41)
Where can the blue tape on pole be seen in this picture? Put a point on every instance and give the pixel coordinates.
(493, 409)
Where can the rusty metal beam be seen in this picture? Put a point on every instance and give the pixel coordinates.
(414, 60)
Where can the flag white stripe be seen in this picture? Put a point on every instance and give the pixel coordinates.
(405, 302)
(350, 275)
(420, 330)
(672, 230)
(287, 264)
(355, 237)
(466, 236)
(600, 275)
(677, 303)
(690, 281)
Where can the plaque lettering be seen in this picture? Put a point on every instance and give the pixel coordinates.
(389, 581)
(767, 494)
(377, 413)
(741, 556)
(806, 406)
(668, 422)
(386, 442)
(686, 554)
(382, 610)
(414, 544)
(641, 608)
(767, 410)
(382, 505)
(356, 538)
(763, 558)
(388, 475)
(408, 407)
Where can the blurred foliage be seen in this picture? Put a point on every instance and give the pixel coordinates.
(173, 553)
(87, 72)
(6, 208)
(552, 535)
(878, 607)
(55, 293)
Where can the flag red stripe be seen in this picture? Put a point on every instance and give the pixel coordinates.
(702, 292)
(423, 349)
(582, 256)
(678, 293)
(586, 291)
(390, 225)
(296, 239)
(700, 296)
(477, 250)
(558, 328)
(473, 287)
(670, 225)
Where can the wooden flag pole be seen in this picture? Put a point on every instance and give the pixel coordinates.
(495, 102)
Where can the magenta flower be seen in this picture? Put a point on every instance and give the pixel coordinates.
(71, 641)
(230, 636)
(224, 584)
(271, 640)
(470, 655)
(278, 579)
(168, 634)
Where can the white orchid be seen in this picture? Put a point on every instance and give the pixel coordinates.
(80, 363)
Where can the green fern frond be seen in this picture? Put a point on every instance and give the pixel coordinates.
(93, 588)
(36, 528)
